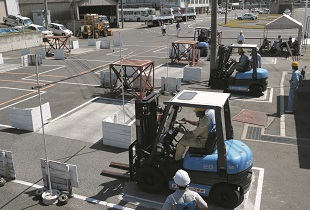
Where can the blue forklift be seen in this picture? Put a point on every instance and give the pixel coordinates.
(222, 170)
(252, 80)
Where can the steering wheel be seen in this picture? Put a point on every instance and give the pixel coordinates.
(181, 125)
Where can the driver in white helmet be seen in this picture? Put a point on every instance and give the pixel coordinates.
(183, 198)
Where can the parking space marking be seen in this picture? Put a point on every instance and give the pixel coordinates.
(80, 197)
(262, 99)
(282, 115)
(14, 99)
(259, 190)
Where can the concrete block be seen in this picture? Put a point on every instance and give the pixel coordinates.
(24, 52)
(92, 42)
(171, 84)
(1, 58)
(98, 44)
(29, 119)
(41, 52)
(191, 74)
(105, 44)
(116, 134)
(136, 82)
(24, 60)
(117, 42)
(105, 78)
(75, 44)
(59, 54)
(33, 59)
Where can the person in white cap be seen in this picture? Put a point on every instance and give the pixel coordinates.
(240, 38)
(183, 198)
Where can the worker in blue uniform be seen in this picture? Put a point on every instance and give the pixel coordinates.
(294, 82)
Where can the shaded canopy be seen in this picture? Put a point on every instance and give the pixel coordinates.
(286, 22)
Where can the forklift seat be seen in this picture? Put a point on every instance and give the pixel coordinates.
(209, 148)
(246, 67)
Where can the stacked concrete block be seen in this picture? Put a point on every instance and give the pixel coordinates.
(105, 44)
(24, 52)
(6, 165)
(171, 84)
(75, 44)
(117, 134)
(105, 78)
(29, 119)
(1, 58)
(191, 74)
(59, 54)
(41, 52)
(98, 45)
(92, 42)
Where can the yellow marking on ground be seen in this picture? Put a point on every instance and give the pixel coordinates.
(42, 74)
(14, 99)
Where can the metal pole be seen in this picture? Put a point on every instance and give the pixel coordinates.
(123, 91)
(45, 13)
(213, 35)
(122, 11)
(226, 11)
(305, 23)
(43, 131)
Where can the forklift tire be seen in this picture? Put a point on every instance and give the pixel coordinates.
(96, 34)
(150, 179)
(63, 199)
(104, 33)
(256, 90)
(2, 181)
(225, 195)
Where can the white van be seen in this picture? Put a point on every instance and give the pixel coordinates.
(17, 20)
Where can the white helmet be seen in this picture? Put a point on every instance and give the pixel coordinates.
(181, 178)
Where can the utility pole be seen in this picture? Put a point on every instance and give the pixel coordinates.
(45, 14)
(213, 36)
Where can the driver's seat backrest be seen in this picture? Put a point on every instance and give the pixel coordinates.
(209, 148)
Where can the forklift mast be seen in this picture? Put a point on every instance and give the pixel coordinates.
(146, 121)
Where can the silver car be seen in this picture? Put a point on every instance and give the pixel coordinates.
(247, 16)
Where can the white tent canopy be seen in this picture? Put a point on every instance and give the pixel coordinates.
(285, 22)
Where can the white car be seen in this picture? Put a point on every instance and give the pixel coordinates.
(59, 29)
(247, 16)
(264, 11)
(44, 31)
(287, 12)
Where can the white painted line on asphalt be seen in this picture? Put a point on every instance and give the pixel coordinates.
(72, 110)
(44, 72)
(80, 197)
(261, 99)
(69, 83)
(42, 92)
(117, 51)
(282, 118)
(68, 59)
(259, 191)
(6, 126)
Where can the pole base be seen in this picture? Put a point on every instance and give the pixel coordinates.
(50, 198)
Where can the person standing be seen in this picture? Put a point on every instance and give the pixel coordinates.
(240, 38)
(163, 29)
(294, 82)
(183, 198)
(178, 27)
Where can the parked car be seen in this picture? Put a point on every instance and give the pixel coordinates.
(287, 12)
(222, 11)
(44, 31)
(17, 20)
(247, 16)
(59, 29)
(254, 10)
(264, 11)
